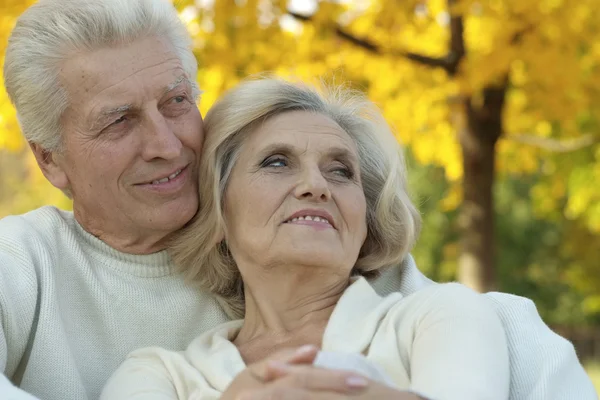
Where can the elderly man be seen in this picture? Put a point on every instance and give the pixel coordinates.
(105, 93)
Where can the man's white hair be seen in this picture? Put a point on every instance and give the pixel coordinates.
(51, 31)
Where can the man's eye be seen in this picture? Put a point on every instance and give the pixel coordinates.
(178, 99)
(120, 120)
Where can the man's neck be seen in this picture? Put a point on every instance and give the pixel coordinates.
(126, 241)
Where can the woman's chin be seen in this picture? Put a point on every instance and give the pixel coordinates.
(317, 257)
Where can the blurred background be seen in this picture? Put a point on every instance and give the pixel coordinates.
(496, 101)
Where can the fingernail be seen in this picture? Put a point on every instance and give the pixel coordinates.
(308, 348)
(357, 381)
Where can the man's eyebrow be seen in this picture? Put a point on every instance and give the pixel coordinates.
(116, 110)
(107, 112)
(176, 83)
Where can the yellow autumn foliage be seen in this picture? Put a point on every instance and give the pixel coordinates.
(548, 49)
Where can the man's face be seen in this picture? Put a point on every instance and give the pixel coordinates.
(132, 138)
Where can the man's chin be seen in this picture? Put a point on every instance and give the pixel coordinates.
(174, 215)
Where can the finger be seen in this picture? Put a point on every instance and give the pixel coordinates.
(301, 355)
(283, 393)
(313, 378)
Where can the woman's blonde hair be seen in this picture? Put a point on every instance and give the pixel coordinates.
(393, 222)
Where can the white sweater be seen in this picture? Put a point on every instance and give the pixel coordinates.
(72, 308)
(443, 342)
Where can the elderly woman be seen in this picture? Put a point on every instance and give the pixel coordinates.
(303, 200)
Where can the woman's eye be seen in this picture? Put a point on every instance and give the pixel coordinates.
(344, 172)
(275, 162)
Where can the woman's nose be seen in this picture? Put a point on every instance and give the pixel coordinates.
(313, 186)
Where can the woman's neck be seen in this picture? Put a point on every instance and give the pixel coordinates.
(287, 309)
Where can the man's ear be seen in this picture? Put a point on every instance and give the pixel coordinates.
(47, 162)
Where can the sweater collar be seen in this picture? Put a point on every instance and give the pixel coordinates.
(350, 329)
(144, 265)
(359, 311)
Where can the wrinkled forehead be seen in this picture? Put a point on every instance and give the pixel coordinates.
(120, 75)
(302, 130)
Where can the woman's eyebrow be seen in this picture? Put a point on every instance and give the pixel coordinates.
(337, 152)
(342, 153)
(283, 148)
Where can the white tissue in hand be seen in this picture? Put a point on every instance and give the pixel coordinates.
(355, 363)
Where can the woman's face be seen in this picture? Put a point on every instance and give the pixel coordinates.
(295, 196)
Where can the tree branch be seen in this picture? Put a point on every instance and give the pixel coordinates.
(364, 43)
(300, 17)
(449, 62)
(556, 145)
(371, 47)
(444, 63)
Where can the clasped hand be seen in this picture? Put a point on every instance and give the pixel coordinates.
(290, 375)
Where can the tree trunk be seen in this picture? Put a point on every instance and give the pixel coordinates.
(478, 138)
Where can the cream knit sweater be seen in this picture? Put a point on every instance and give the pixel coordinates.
(444, 342)
(72, 308)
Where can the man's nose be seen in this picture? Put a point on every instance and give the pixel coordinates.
(160, 141)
